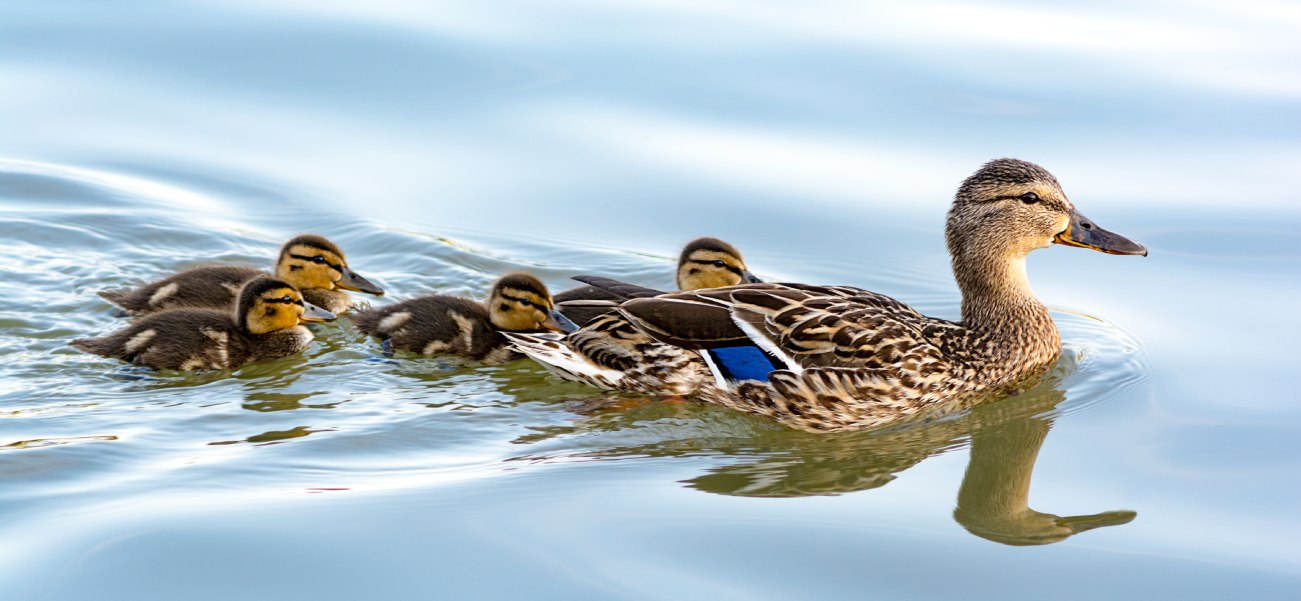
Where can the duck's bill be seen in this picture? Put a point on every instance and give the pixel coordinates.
(1081, 523)
(557, 322)
(314, 313)
(1082, 232)
(356, 283)
(749, 278)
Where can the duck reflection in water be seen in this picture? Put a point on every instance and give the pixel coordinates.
(992, 499)
(1005, 438)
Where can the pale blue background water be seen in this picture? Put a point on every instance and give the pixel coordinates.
(442, 143)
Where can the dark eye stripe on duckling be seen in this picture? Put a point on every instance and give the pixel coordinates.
(525, 301)
(286, 299)
(715, 263)
(323, 261)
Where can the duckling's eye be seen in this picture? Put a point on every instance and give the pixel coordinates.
(286, 299)
(318, 259)
(1029, 198)
(720, 263)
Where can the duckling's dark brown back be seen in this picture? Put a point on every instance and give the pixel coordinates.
(433, 325)
(212, 287)
(176, 339)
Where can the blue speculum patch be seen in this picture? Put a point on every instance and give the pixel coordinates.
(746, 362)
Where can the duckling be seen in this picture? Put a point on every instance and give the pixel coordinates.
(440, 324)
(704, 263)
(830, 358)
(309, 262)
(264, 325)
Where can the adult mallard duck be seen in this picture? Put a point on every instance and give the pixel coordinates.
(264, 325)
(826, 358)
(441, 324)
(704, 263)
(311, 263)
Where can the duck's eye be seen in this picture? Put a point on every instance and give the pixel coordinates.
(286, 299)
(1029, 198)
(318, 259)
(720, 263)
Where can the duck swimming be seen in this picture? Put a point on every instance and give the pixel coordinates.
(310, 263)
(703, 263)
(264, 325)
(441, 324)
(829, 358)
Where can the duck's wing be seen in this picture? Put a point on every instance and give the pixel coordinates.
(615, 288)
(583, 305)
(803, 326)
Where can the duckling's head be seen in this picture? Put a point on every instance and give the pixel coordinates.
(311, 261)
(1010, 207)
(521, 302)
(711, 263)
(268, 304)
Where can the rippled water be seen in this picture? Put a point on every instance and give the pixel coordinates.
(441, 145)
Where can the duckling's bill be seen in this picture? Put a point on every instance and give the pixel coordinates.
(1082, 232)
(352, 281)
(314, 313)
(557, 322)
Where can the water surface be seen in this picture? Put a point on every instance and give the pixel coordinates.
(443, 144)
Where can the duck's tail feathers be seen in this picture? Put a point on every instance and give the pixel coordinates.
(95, 346)
(368, 321)
(112, 296)
(550, 351)
(623, 290)
(120, 298)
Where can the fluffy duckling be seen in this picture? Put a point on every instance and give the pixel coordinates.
(704, 263)
(310, 263)
(439, 324)
(265, 325)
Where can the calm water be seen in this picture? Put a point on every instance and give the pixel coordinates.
(442, 144)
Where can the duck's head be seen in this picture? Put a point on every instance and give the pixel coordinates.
(311, 261)
(711, 263)
(267, 304)
(1010, 207)
(520, 303)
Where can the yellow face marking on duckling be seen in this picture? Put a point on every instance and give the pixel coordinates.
(280, 309)
(710, 269)
(518, 310)
(307, 266)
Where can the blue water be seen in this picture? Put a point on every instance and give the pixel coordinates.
(443, 143)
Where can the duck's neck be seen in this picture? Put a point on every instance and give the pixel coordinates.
(997, 303)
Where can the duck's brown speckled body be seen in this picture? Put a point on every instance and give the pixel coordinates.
(440, 324)
(265, 325)
(846, 358)
(309, 262)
